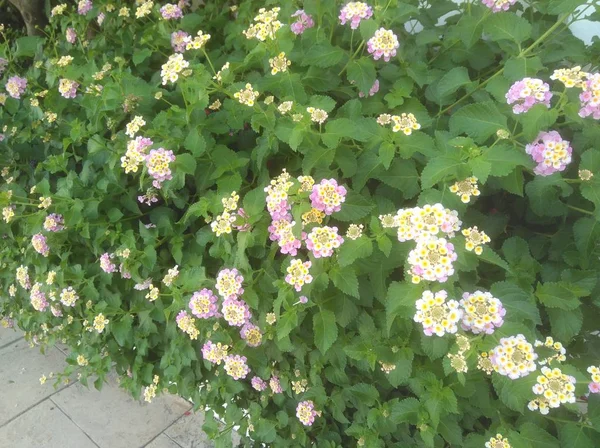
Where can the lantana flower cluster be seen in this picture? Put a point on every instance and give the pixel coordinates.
(551, 153)
(431, 260)
(475, 239)
(466, 188)
(354, 12)
(171, 69)
(524, 94)
(437, 314)
(54, 223)
(553, 388)
(514, 357)
(594, 386)
(407, 123)
(383, 44)
(483, 313)
(265, 26)
(498, 5)
(430, 220)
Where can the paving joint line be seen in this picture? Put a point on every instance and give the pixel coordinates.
(73, 421)
(165, 433)
(35, 404)
(10, 343)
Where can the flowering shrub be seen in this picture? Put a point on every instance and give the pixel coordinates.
(351, 224)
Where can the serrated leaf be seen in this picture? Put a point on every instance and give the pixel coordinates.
(351, 250)
(400, 302)
(434, 346)
(536, 119)
(507, 25)
(544, 194)
(286, 323)
(479, 121)
(323, 55)
(586, 232)
(520, 67)
(515, 394)
(573, 435)
(335, 130)
(565, 324)
(325, 330)
(387, 151)
(354, 208)
(404, 411)
(345, 280)
(403, 176)
(519, 304)
(536, 436)
(439, 168)
(557, 295)
(362, 72)
(452, 81)
(322, 102)
(195, 143)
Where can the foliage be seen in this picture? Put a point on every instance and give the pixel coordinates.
(343, 345)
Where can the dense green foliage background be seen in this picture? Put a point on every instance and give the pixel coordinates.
(542, 262)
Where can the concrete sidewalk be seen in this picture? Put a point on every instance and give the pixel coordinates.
(73, 416)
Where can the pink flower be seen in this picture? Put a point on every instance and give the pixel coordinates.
(328, 196)
(258, 384)
(275, 385)
(383, 43)
(204, 304)
(251, 334)
(303, 22)
(170, 12)
(38, 298)
(528, 92)
(106, 265)
(236, 367)
(305, 411)
(214, 353)
(54, 223)
(83, 7)
(594, 388)
(158, 163)
(590, 97)
(71, 35)
(551, 153)
(178, 41)
(38, 241)
(372, 91)
(322, 240)
(354, 12)
(15, 86)
(236, 312)
(68, 88)
(303, 299)
(498, 5)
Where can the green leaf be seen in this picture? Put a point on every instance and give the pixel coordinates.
(195, 143)
(140, 56)
(404, 411)
(387, 151)
(536, 436)
(264, 431)
(536, 119)
(323, 55)
(345, 280)
(354, 208)
(351, 250)
(286, 323)
(325, 330)
(452, 81)
(28, 45)
(439, 168)
(519, 67)
(322, 102)
(586, 232)
(403, 362)
(362, 72)
(335, 130)
(565, 324)
(507, 25)
(121, 330)
(185, 163)
(594, 411)
(400, 302)
(515, 394)
(557, 295)
(479, 121)
(403, 176)
(402, 88)
(434, 346)
(573, 435)
(544, 194)
(519, 304)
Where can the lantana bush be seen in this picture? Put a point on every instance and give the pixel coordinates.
(326, 224)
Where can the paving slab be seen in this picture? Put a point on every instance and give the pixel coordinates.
(187, 431)
(113, 419)
(20, 370)
(9, 335)
(162, 441)
(44, 426)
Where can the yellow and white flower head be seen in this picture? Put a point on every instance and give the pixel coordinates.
(197, 42)
(285, 107)
(553, 388)
(431, 260)
(172, 68)
(422, 222)
(556, 347)
(317, 115)
(279, 63)
(265, 26)
(465, 189)
(570, 77)
(475, 239)
(247, 95)
(405, 123)
(498, 442)
(483, 313)
(437, 314)
(514, 357)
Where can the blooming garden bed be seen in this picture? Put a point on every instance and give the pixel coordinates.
(326, 226)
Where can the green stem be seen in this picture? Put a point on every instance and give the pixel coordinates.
(352, 57)
(581, 210)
